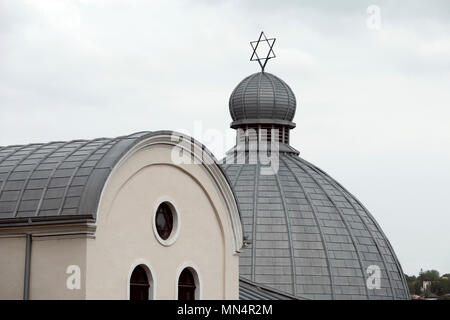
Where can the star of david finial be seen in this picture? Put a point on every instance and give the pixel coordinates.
(265, 48)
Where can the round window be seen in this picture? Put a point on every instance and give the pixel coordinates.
(164, 221)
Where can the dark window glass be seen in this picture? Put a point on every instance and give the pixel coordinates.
(139, 285)
(186, 285)
(164, 221)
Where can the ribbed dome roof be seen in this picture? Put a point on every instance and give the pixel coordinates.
(262, 98)
(58, 181)
(309, 236)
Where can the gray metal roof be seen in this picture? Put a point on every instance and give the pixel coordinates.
(262, 98)
(57, 180)
(252, 291)
(309, 236)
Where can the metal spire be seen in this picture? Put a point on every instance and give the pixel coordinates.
(263, 44)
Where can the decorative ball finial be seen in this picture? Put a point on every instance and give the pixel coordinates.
(262, 45)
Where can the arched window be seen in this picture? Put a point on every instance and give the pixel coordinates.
(186, 285)
(139, 284)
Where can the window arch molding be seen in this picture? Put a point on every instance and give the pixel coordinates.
(176, 221)
(197, 279)
(150, 276)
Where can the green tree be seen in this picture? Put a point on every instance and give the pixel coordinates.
(430, 275)
(439, 286)
(414, 284)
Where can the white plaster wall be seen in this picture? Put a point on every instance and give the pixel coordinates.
(50, 257)
(125, 236)
(12, 267)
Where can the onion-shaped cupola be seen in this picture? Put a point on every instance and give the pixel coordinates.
(262, 102)
(262, 98)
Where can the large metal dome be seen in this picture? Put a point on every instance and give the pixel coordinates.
(262, 98)
(308, 236)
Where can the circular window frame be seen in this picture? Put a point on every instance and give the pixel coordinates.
(176, 222)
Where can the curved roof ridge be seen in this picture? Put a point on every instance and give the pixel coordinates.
(255, 214)
(316, 219)
(258, 94)
(274, 102)
(289, 90)
(289, 233)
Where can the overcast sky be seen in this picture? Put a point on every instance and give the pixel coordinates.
(373, 104)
